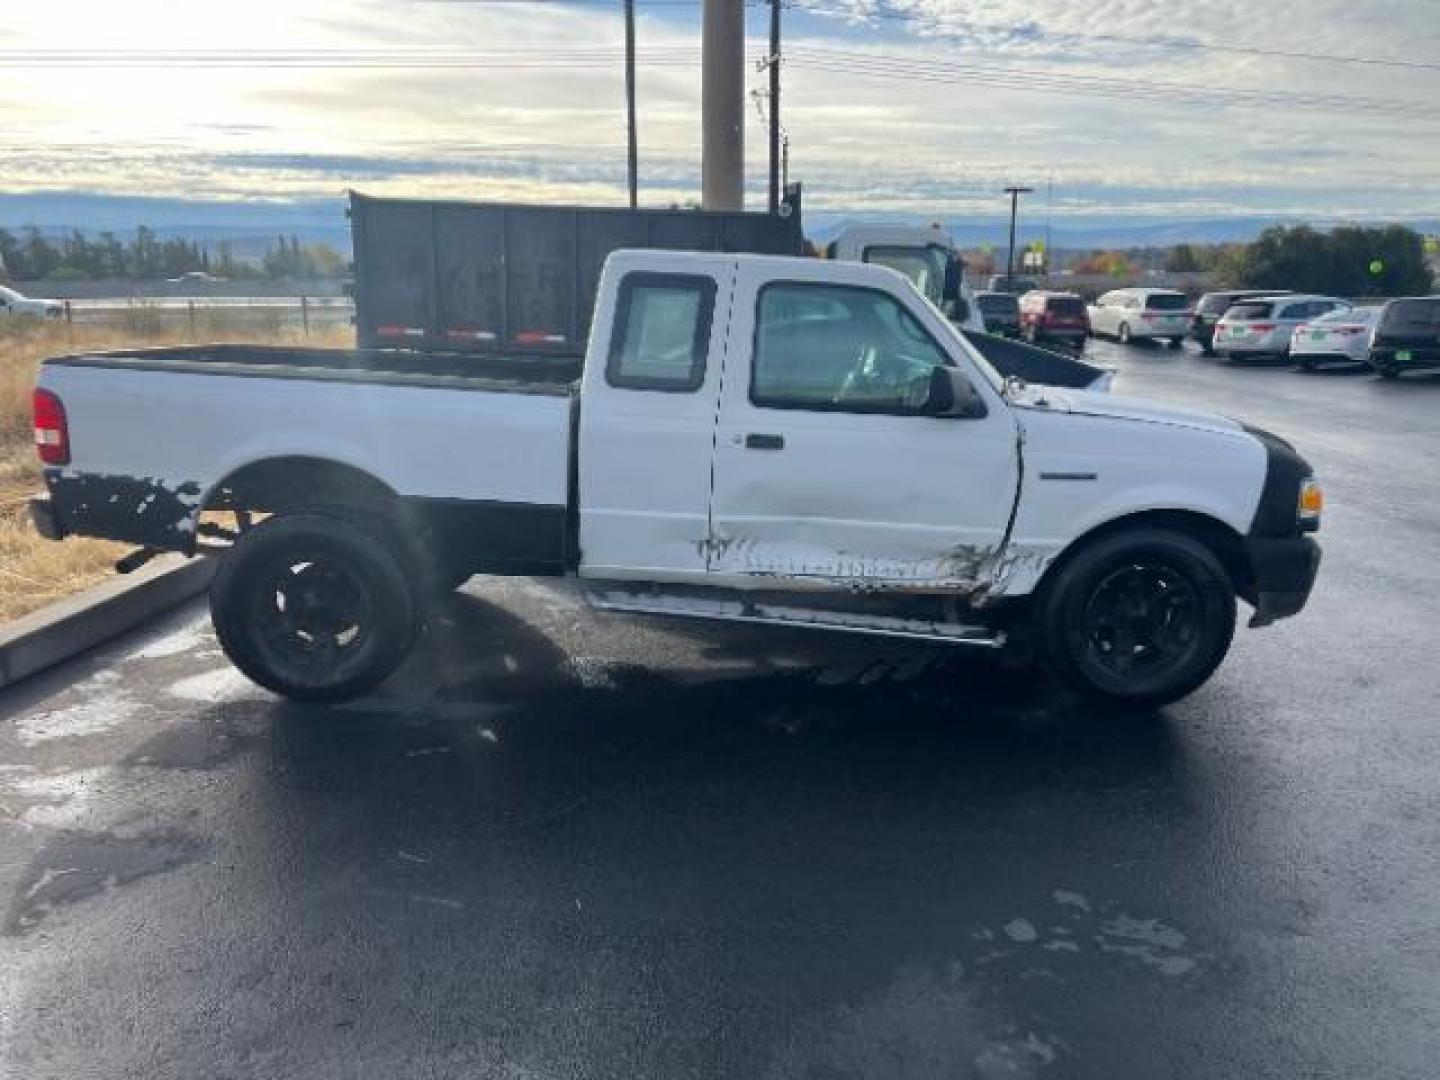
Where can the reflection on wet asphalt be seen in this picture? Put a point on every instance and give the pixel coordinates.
(560, 844)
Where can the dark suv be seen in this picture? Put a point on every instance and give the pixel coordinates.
(1213, 305)
(1001, 312)
(1407, 336)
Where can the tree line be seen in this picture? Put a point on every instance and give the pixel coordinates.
(30, 255)
(1350, 260)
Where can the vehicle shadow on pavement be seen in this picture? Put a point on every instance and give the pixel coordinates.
(643, 870)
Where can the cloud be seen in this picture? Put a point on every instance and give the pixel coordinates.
(923, 107)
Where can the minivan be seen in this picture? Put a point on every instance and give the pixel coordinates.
(1141, 315)
(1264, 326)
(1001, 312)
(1213, 305)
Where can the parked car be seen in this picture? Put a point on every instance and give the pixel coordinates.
(1264, 326)
(1407, 336)
(1213, 305)
(1058, 317)
(1141, 315)
(13, 304)
(1342, 336)
(779, 441)
(196, 277)
(1001, 312)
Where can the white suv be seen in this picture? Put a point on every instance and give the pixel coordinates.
(1264, 326)
(1141, 315)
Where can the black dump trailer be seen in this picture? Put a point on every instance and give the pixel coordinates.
(518, 279)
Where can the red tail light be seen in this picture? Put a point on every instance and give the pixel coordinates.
(52, 432)
(1262, 327)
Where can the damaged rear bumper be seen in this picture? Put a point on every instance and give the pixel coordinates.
(1285, 569)
(44, 518)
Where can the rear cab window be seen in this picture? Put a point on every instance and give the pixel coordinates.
(662, 332)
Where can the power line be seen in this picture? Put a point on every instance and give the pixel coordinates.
(889, 66)
(942, 23)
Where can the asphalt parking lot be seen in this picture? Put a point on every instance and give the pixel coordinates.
(566, 845)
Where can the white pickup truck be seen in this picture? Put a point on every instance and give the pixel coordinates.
(764, 439)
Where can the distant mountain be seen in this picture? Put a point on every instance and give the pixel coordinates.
(1094, 232)
(251, 226)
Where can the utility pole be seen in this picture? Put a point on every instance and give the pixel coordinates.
(774, 106)
(634, 139)
(722, 106)
(1014, 193)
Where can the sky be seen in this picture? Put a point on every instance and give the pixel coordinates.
(1124, 108)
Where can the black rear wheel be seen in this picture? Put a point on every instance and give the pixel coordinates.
(1141, 617)
(314, 607)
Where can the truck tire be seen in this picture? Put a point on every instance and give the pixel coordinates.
(1141, 617)
(314, 606)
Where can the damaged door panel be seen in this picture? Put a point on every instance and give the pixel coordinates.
(859, 487)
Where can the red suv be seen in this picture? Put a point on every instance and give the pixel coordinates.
(1059, 317)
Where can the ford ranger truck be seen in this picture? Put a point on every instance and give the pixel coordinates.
(759, 439)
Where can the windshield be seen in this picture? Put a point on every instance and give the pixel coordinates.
(1166, 302)
(925, 267)
(1413, 315)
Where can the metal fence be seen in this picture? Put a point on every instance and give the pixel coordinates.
(215, 315)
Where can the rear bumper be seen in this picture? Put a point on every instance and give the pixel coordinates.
(1285, 569)
(44, 518)
(1391, 357)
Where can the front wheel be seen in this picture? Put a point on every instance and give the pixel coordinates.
(1141, 617)
(314, 606)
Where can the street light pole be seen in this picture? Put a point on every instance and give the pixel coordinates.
(1014, 193)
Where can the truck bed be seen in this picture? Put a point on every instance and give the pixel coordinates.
(519, 374)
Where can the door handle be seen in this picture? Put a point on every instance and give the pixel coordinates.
(764, 442)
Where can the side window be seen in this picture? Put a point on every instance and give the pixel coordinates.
(843, 348)
(662, 332)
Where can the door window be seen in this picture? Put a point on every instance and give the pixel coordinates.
(662, 332)
(841, 348)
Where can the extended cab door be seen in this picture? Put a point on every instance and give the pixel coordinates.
(647, 417)
(825, 471)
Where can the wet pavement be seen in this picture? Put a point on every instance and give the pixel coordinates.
(567, 845)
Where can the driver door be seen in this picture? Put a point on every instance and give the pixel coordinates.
(825, 470)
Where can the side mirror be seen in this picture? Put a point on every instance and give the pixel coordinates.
(951, 394)
(954, 276)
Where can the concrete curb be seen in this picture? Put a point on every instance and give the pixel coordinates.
(67, 628)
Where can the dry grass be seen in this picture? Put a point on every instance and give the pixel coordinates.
(34, 571)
